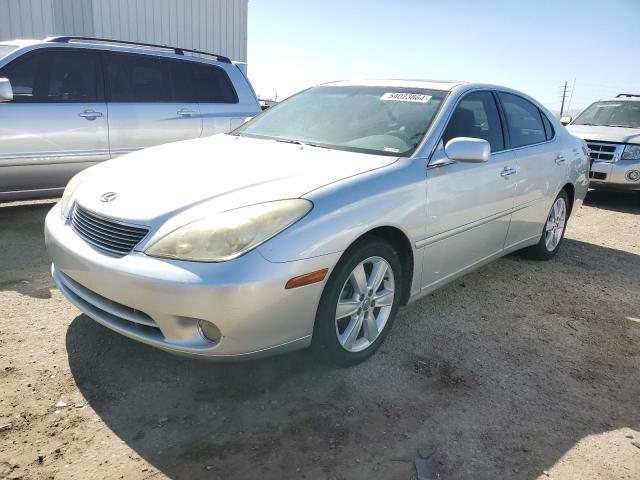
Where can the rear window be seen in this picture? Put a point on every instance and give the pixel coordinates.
(137, 78)
(212, 85)
(524, 120)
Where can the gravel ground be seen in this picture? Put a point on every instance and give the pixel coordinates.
(523, 369)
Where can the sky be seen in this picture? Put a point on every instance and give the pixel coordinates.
(533, 46)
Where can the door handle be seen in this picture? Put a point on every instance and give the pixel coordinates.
(186, 112)
(506, 171)
(559, 159)
(90, 114)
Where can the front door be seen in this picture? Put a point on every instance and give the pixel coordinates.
(468, 204)
(56, 124)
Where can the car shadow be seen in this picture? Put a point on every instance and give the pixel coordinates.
(623, 202)
(24, 253)
(500, 386)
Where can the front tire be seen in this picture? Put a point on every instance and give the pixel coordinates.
(553, 230)
(359, 302)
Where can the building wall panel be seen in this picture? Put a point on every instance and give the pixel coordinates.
(218, 26)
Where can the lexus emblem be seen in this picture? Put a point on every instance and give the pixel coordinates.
(108, 197)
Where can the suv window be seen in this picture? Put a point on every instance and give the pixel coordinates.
(212, 85)
(476, 116)
(55, 76)
(137, 78)
(181, 81)
(524, 120)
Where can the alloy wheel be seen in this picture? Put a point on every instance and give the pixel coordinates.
(555, 224)
(364, 304)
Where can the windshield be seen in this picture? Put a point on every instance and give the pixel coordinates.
(6, 50)
(379, 120)
(612, 114)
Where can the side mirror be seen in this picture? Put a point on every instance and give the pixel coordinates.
(566, 120)
(6, 92)
(466, 149)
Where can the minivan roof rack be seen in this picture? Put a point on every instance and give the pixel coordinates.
(176, 50)
(627, 95)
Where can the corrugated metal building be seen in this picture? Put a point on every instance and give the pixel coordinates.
(218, 26)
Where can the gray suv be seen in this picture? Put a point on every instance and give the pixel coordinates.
(611, 129)
(69, 102)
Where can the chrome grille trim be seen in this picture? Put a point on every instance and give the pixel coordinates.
(105, 233)
(605, 152)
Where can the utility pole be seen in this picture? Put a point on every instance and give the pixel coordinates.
(564, 96)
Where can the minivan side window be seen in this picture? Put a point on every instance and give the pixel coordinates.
(476, 116)
(212, 85)
(137, 79)
(55, 76)
(524, 120)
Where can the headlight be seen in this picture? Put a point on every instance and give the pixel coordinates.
(631, 152)
(230, 234)
(68, 193)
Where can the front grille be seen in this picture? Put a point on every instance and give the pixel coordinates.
(105, 233)
(604, 152)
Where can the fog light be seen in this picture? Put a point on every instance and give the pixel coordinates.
(633, 175)
(209, 331)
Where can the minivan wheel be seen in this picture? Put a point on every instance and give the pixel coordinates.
(553, 231)
(359, 303)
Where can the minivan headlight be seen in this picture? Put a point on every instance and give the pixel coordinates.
(230, 234)
(68, 193)
(631, 152)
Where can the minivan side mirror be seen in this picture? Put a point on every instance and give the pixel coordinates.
(466, 149)
(566, 120)
(6, 92)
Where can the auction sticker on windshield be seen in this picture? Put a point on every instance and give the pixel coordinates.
(405, 97)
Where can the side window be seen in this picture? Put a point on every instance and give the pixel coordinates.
(548, 128)
(212, 85)
(524, 120)
(476, 116)
(55, 76)
(181, 81)
(137, 78)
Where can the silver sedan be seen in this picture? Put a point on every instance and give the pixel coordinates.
(315, 220)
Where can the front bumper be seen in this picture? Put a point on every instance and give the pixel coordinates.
(160, 302)
(613, 175)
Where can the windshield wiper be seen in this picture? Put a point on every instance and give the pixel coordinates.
(298, 142)
(622, 126)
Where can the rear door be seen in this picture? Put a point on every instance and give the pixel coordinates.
(150, 102)
(537, 180)
(468, 204)
(56, 124)
(217, 98)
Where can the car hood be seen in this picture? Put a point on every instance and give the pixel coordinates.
(216, 173)
(606, 134)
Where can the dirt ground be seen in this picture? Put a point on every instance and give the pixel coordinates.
(523, 370)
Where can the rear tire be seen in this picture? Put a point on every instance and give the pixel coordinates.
(359, 303)
(552, 231)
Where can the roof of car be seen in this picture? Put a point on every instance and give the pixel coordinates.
(621, 99)
(426, 84)
(20, 42)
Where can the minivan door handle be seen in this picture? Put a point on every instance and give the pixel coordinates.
(186, 112)
(506, 171)
(559, 159)
(90, 114)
